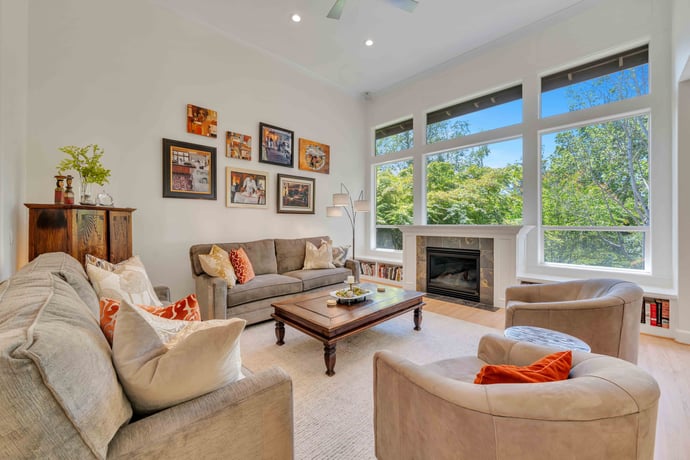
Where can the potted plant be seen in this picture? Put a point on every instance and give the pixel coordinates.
(86, 161)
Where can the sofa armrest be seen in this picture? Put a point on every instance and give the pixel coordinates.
(212, 294)
(163, 293)
(250, 418)
(354, 267)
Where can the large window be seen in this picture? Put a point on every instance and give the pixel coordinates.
(394, 202)
(595, 177)
(394, 138)
(495, 110)
(477, 185)
(595, 194)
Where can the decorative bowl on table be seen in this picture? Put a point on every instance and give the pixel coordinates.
(349, 296)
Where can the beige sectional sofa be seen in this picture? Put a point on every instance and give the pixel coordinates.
(277, 264)
(60, 395)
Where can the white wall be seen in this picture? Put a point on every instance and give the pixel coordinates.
(609, 25)
(120, 74)
(13, 93)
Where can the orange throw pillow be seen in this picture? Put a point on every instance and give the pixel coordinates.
(242, 265)
(186, 309)
(555, 366)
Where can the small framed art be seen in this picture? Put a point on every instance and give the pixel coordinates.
(201, 121)
(189, 170)
(277, 145)
(245, 188)
(238, 146)
(295, 194)
(314, 156)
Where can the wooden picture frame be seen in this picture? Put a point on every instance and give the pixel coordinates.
(189, 170)
(245, 188)
(276, 145)
(296, 195)
(314, 156)
(202, 121)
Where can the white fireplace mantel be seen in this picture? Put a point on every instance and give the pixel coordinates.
(506, 246)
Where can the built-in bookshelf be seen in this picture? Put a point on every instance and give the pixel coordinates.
(390, 272)
(655, 315)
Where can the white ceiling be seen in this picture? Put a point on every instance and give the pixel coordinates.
(405, 44)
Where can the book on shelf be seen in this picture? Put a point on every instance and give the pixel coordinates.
(665, 312)
(652, 313)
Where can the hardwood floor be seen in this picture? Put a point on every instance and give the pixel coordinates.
(668, 361)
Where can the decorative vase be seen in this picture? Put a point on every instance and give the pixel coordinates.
(86, 192)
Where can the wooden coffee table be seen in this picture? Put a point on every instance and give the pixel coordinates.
(329, 324)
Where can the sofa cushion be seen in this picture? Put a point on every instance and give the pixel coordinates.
(125, 280)
(162, 362)
(69, 269)
(242, 266)
(59, 387)
(217, 263)
(290, 252)
(263, 287)
(550, 368)
(312, 279)
(317, 258)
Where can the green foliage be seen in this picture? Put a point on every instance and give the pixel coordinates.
(88, 166)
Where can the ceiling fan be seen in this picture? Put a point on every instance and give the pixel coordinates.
(407, 5)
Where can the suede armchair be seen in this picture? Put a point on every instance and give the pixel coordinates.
(605, 313)
(606, 409)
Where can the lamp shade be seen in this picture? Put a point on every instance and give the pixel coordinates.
(341, 199)
(362, 206)
(334, 211)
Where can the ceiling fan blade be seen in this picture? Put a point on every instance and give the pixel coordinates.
(407, 5)
(336, 10)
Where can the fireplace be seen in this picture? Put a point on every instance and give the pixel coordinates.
(453, 272)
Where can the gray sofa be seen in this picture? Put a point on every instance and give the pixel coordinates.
(277, 264)
(60, 396)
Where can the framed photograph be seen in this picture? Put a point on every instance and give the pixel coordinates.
(314, 156)
(189, 170)
(201, 121)
(245, 188)
(238, 146)
(295, 194)
(276, 145)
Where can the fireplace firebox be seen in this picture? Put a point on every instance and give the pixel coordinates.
(453, 272)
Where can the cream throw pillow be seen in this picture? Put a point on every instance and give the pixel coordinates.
(126, 280)
(162, 362)
(217, 263)
(318, 258)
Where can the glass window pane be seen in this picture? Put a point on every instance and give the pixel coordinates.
(388, 238)
(595, 248)
(394, 138)
(474, 186)
(394, 196)
(597, 175)
(613, 87)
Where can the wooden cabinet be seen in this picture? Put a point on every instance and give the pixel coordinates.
(79, 230)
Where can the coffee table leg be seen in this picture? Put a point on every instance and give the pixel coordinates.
(417, 319)
(329, 358)
(280, 332)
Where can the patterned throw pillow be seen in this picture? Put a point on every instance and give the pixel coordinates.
(317, 258)
(186, 309)
(242, 265)
(217, 263)
(126, 280)
(162, 362)
(340, 255)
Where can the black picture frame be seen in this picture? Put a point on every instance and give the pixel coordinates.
(189, 170)
(296, 195)
(276, 145)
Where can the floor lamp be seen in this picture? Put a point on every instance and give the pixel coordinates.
(343, 201)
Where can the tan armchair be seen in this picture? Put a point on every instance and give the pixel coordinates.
(606, 409)
(605, 313)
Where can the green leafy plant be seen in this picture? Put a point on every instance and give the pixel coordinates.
(86, 161)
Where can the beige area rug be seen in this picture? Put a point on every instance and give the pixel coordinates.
(334, 415)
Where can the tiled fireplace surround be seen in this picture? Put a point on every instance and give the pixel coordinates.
(498, 246)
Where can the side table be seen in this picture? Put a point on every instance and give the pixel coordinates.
(547, 337)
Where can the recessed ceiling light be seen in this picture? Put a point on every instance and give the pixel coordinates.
(296, 18)
(369, 42)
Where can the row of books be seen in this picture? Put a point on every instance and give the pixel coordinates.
(368, 269)
(390, 272)
(656, 312)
